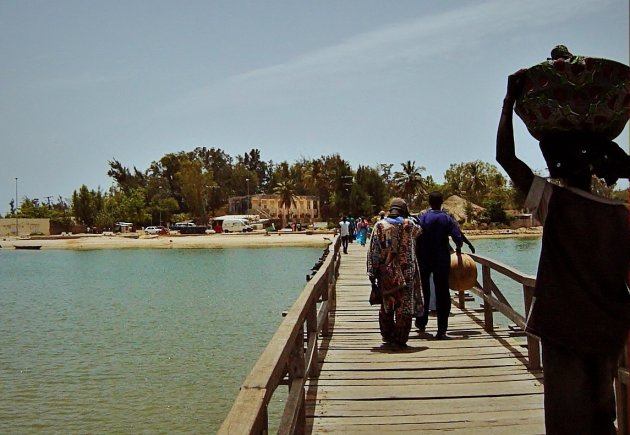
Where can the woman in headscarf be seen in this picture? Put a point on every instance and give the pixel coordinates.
(393, 267)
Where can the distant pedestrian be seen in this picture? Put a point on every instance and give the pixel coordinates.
(352, 229)
(344, 233)
(362, 230)
(392, 266)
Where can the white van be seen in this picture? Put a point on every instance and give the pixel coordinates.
(236, 226)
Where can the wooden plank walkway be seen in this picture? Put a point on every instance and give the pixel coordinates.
(472, 383)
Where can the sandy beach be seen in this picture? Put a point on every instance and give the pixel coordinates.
(212, 241)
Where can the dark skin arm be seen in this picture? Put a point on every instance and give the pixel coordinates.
(470, 245)
(521, 175)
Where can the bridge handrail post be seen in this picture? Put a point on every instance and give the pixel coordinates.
(488, 319)
(461, 299)
(312, 340)
(331, 284)
(533, 344)
(293, 419)
(493, 299)
(327, 297)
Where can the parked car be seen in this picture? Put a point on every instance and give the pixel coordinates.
(156, 230)
(188, 228)
(184, 225)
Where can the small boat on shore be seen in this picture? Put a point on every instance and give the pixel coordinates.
(32, 247)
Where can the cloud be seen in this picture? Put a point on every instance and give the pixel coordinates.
(393, 48)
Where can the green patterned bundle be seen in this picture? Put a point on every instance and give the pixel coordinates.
(575, 94)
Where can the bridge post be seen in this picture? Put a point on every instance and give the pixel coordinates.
(461, 299)
(488, 319)
(327, 296)
(293, 420)
(533, 344)
(312, 340)
(331, 280)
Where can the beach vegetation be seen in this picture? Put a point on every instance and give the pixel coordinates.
(196, 185)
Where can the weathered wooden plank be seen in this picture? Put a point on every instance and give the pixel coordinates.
(392, 366)
(251, 417)
(417, 373)
(426, 380)
(459, 405)
(410, 416)
(368, 340)
(416, 350)
(522, 426)
(429, 390)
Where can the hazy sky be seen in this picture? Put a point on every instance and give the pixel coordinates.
(83, 82)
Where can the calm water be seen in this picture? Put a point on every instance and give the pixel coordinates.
(519, 253)
(149, 341)
(136, 340)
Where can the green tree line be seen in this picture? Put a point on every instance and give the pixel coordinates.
(197, 184)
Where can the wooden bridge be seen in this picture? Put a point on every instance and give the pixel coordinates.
(342, 378)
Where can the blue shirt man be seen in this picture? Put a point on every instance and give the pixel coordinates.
(434, 256)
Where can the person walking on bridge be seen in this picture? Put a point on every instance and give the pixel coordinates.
(393, 267)
(434, 255)
(581, 308)
(344, 232)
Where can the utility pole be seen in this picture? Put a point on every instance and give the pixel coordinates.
(160, 204)
(247, 180)
(17, 228)
(48, 200)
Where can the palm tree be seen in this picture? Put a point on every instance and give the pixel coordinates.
(409, 181)
(313, 176)
(286, 190)
(477, 175)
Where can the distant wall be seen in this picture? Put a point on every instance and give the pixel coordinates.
(524, 221)
(26, 227)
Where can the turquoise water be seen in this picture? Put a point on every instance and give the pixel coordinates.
(136, 340)
(519, 253)
(152, 341)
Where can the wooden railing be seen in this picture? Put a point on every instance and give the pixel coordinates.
(494, 300)
(290, 357)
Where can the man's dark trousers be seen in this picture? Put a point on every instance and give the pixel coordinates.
(442, 293)
(344, 243)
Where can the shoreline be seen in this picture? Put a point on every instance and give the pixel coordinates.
(85, 242)
(505, 233)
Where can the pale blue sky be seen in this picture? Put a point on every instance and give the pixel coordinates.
(83, 82)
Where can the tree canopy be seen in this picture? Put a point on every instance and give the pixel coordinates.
(197, 184)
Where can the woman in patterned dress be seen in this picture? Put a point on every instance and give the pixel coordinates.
(392, 265)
